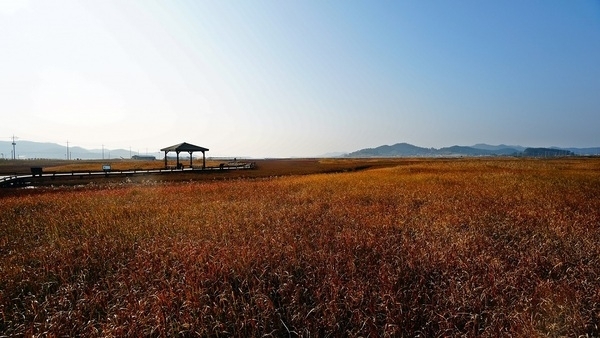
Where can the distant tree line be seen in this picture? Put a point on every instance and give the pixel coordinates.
(546, 152)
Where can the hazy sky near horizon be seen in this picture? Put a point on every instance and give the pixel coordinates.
(300, 78)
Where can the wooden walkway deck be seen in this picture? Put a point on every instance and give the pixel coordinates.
(20, 180)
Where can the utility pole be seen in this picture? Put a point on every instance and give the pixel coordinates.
(14, 152)
(67, 150)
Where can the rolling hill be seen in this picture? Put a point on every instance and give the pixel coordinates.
(409, 150)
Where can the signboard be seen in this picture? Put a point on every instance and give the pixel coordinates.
(106, 167)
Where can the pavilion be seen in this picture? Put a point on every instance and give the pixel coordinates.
(185, 147)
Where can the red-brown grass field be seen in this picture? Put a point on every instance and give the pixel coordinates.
(404, 247)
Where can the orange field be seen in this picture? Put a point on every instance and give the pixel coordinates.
(460, 247)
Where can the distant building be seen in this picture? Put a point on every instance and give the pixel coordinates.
(143, 157)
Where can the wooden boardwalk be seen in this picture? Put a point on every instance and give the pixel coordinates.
(20, 180)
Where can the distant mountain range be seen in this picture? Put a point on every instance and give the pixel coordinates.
(29, 149)
(409, 150)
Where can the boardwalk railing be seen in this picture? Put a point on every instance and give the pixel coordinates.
(21, 179)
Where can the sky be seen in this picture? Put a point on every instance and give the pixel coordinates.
(299, 78)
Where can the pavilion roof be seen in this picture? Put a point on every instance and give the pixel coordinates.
(184, 147)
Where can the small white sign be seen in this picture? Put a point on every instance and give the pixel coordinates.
(106, 167)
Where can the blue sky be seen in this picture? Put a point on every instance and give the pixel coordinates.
(300, 78)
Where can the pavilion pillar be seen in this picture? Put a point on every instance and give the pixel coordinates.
(165, 159)
(190, 158)
(177, 159)
(203, 161)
